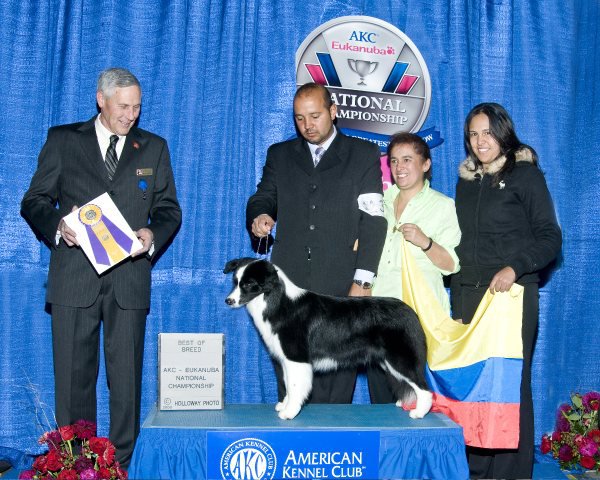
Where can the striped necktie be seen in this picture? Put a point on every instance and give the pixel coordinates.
(111, 159)
(319, 152)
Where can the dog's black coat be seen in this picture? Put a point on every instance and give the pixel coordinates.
(327, 332)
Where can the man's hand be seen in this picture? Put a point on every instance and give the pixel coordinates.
(503, 280)
(67, 234)
(358, 291)
(262, 225)
(145, 236)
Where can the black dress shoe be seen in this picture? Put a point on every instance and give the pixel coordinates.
(4, 466)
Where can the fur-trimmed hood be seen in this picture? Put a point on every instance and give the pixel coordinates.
(469, 169)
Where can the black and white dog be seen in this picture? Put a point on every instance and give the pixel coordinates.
(309, 332)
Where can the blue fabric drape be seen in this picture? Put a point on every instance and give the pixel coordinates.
(218, 80)
(187, 456)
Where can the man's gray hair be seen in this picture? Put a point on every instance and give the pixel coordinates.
(113, 78)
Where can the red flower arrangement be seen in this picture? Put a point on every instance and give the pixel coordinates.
(575, 443)
(75, 453)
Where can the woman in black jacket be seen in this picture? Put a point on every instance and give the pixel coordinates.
(509, 233)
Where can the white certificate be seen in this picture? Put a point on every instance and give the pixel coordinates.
(102, 232)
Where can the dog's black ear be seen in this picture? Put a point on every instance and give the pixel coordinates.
(232, 265)
(272, 279)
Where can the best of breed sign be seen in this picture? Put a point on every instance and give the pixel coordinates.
(190, 371)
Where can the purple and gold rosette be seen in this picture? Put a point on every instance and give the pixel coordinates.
(109, 243)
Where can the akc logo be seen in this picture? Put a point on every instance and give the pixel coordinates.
(248, 458)
(363, 36)
(376, 75)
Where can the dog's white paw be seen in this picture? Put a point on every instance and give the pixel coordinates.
(281, 405)
(289, 413)
(399, 404)
(415, 414)
(424, 402)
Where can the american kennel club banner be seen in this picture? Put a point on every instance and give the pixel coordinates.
(376, 75)
(263, 455)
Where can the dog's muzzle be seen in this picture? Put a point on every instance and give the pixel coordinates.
(230, 301)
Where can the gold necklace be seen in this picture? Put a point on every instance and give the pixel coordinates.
(396, 216)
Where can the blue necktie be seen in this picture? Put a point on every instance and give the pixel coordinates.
(319, 152)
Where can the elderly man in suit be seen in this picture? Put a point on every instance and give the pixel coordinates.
(324, 190)
(78, 163)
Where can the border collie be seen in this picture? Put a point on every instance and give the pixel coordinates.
(309, 332)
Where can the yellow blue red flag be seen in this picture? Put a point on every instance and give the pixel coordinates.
(474, 370)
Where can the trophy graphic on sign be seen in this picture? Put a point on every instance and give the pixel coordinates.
(362, 68)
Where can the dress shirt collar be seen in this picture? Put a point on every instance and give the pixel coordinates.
(326, 144)
(103, 134)
(395, 191)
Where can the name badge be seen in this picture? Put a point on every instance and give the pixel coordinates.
(143, 172)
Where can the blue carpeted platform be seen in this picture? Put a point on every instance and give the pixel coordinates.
(173, 444)
(250, 416)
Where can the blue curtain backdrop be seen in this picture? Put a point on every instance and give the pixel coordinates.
(218, 79)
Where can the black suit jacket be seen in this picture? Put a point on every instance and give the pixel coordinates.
(70, 172)
(317, 211)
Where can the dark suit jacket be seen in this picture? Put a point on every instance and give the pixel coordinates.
(70, 172)
(317, 214)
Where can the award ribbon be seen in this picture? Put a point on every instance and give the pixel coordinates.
(107, 240)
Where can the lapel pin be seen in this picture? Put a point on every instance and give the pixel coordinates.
(143, 186)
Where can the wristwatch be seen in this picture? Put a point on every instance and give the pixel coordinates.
(365, 285)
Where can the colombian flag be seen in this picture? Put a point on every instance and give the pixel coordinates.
(474, 370)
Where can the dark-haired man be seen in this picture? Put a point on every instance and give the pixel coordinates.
(324, 190)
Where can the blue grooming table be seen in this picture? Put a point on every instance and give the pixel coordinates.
(173, 444)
